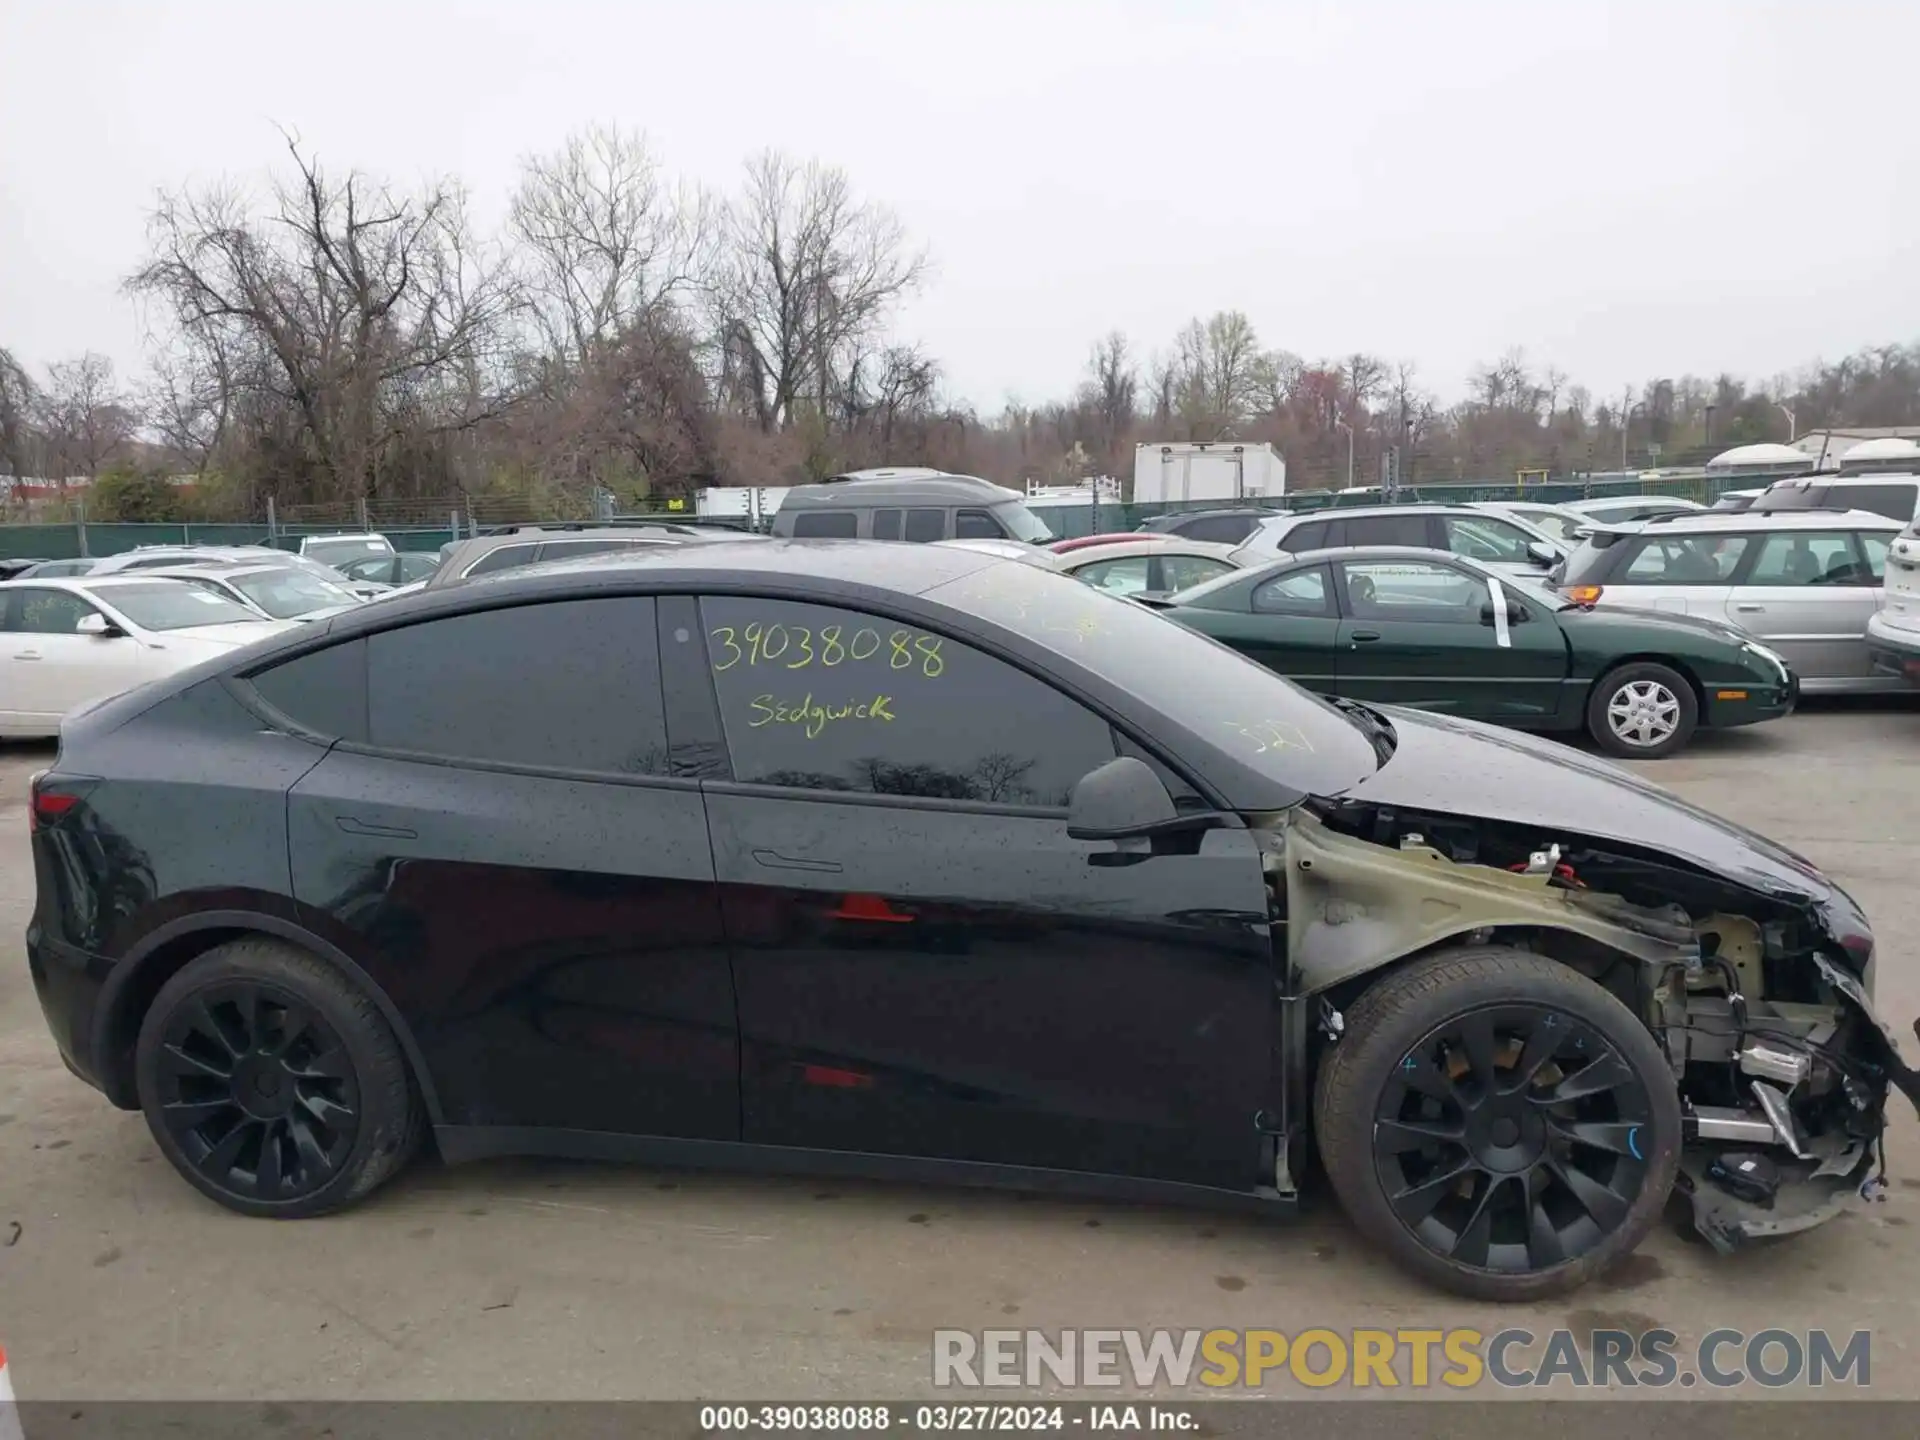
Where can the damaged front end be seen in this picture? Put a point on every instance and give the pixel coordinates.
(1757, 989)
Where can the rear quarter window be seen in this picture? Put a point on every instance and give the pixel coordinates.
(1301, 538)
(1896, 502)
(826, 525)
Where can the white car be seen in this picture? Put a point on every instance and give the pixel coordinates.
(1558, 522)
(1623, 509)
(1893, 631)
(67, 643)
(276, 591)
(338, 550)
(158, 557)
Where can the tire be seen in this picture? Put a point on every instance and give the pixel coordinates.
(273, 1084)
(1387, 1139)
(1659, 705)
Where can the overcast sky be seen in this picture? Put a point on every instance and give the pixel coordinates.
(1626, 190)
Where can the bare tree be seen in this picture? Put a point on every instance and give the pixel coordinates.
(807, 272)
(603, 240)
(1220, 369)
(1364, 375)
(84, 415)
(19, 399)
(1112, 383)
(376, 312)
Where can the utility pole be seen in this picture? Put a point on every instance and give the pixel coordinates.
(1349, 429)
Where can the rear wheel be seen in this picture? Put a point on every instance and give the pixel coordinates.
(1642, 711)
(273, 1084)
(1497, 1122)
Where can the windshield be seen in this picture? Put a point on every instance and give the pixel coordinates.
(288, 594)
(1022, 523)
(173, 605)
(1264, 721)
(336, 552)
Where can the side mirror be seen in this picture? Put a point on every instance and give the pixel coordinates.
(1516, 613)
(1543, 554)
(1125, 800)
(98, 626)
(1121, 800)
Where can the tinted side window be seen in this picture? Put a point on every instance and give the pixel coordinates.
(47, 612)
(1683, 560)
(1304, 592)
(1181, 572)
(1301, 538)
(1222, 529)
(1896, 502)
(926, 526)
(1414, 590)
(1804, 557)
(1388, 530)
(826, 525)
(886, 524)
(507, 557)
(977, 525)
(569, 549)
(826, 699)
(1875, 544)
(324, 691)
(1481, 537)
(572, 685)
(1120, 577)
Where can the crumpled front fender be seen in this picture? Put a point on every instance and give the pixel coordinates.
(1354, 907)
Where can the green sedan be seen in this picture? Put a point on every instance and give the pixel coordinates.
(1442, 632)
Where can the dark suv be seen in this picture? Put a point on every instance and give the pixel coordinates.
(919, 506)
(923, 862)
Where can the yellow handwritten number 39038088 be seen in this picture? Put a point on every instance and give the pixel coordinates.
(795, 647)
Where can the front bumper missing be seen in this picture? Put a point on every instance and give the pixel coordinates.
(1837, 1171)
(1806, 1198)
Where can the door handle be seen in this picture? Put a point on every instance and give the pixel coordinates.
(774, 860)
(381, 832)
(1750, 609)
(26, 654)
(1361, 637)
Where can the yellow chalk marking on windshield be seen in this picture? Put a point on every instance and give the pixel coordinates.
(1271, 735)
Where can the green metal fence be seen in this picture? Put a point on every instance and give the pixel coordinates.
(62, 542)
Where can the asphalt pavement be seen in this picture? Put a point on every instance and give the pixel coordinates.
(548, 1280)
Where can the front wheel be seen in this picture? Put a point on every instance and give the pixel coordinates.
(1498, 1123)
(1642, 711)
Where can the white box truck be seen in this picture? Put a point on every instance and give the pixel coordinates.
(1225, 470)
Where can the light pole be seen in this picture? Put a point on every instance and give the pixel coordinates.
(1349, 429)
(1626, 428)
(1793, 425)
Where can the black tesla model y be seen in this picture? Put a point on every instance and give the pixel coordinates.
(915, 861)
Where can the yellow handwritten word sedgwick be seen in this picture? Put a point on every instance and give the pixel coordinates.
(815, 717)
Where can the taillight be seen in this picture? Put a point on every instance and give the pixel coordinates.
(1583, 594)
(46, 806)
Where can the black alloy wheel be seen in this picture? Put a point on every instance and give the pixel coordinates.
(257, 1091)
(1499, 1123)
(274, 1084)
(1509, 1138)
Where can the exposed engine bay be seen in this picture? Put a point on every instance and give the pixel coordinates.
(1759, 997)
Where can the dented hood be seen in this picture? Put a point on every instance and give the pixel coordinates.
(1460, 767)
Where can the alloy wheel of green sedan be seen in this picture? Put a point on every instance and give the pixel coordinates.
(1643, 713)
